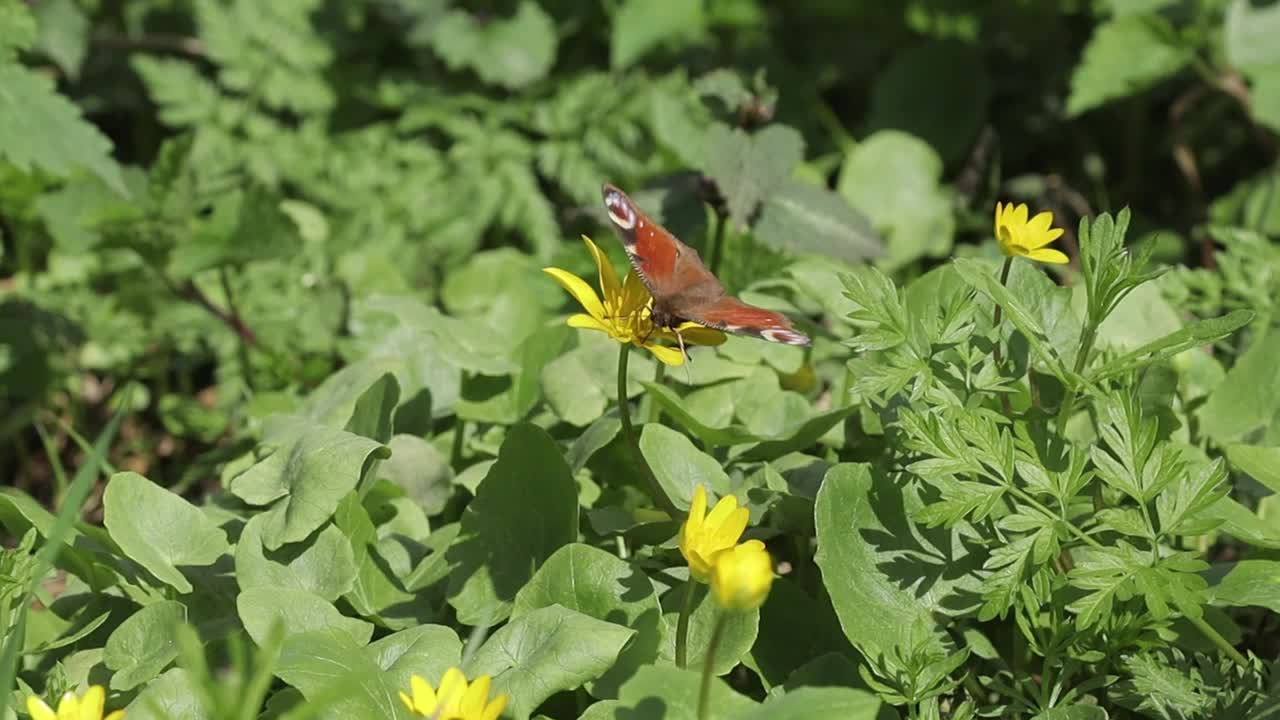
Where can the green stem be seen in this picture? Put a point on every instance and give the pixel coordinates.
(708, 668)
(998, 353)
(1218, 640)
(714, 252)
(629, 432)
(1071, 528)
(1069, 399)
(682, 626)
(654, 410)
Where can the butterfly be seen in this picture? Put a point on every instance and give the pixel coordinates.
(682, 287)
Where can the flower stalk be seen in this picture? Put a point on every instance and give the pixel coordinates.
(708, 667)
(629, 434)
(682, 625)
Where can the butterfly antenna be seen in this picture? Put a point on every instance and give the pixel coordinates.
(680, 339)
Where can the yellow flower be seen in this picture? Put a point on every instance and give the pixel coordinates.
(1018, 236)
(624, 311)
(456, 699)
(703, 535)
(70, 707)
(741, 576)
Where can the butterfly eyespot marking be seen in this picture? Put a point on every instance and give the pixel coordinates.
(620, 211)
(786, 337)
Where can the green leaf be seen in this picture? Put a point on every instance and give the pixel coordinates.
(937, 91)
(640, 26)
(524, 510)
(159, 530)
(1264, 97)
(794, 629)
(1124, 57)
(1249, 583)
(41, 128)
(376, 593)
(800, 436)
(512, 52)
(671, 694)
(322, 565)
(141, 646)
(802, 218)
(819, 703)
(713, 436)
(1249, 32)
(1248, 398)
(983, 279)
(64, 34)
(298, 611)
(425, 650)
(333, 670)
(749, 169)
(597, 584)
(894, 178)
(421, 470)
(1197, 334)
(739, 636)
(546, 651)
(371, 416)
(17, 28)
(1261, 463)
(172, 696)
(679, 466)
(876, 611)
(309, 471)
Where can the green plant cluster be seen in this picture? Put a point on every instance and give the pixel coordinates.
(291, 414)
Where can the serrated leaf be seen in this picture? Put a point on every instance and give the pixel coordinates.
(41, 128)
(750, 168)
(1201, 332)
(640, 26)
(1125, 56)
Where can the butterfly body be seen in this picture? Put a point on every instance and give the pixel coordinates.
(682, 286)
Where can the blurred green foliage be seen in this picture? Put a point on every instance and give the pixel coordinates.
(294, 245)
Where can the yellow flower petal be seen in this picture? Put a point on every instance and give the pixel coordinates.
(666, 355)
(39, 710)
(68, 707)
(741, 576)
(92, 703)
(424, 696)
(579, 289)
(1042, 239)
(1019, 215)
(474, 698)
(586, 322)
(635, 296)
(117, 715)
(609, 285)
(452, 687)
(495, 708)
(1048, 255)
(1040, 223)
(723, 509)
